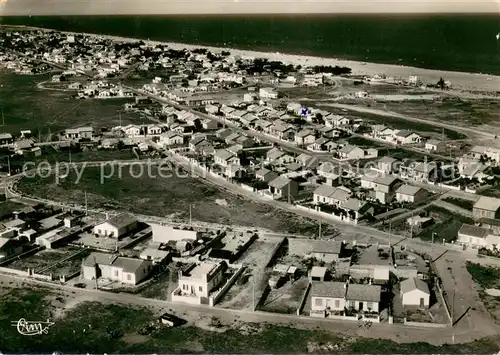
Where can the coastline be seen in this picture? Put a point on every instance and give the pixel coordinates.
(462, 80)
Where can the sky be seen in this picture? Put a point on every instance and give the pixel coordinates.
(159, 7)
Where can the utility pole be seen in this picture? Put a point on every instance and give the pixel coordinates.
(319, 233)
(120, 115)
(8, 163)
(411, 225)
(442, 135)
(3, 120)
(289, 196)
(86, 204)
(95, 271)
(190, 216)
(433, 238)
(253, 293)
(453, 308)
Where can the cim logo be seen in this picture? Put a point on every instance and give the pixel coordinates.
(30, 328)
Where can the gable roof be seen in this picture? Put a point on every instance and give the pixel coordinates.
(328, 289)
(487, 203)
(327, 247)
(369, 293)
(128, 265)
(473, 231)
(279, 182)
(409, 190)
(99, 258)
(122, 220)
(224, 154)
(414, 284)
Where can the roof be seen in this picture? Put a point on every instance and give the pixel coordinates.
(326, 247)
(262, 172)
(434, 142)
(224, 154)
(490, 221)
(349, 148)
(408, 190)
(5, 136)
(121, 221)
(202, 270)
(328, 289)
(404, 133)
(324, 190)
(274, 153)
(487, 203)
(279, 182)
(353, 204)
(368, 293)
(414, 284)
(128, 265)
(318, 271)
(386, 180)
(99, 258)
(387, 160)
(473, 231)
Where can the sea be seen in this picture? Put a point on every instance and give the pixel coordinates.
(458, 42)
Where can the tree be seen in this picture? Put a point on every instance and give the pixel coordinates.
(197, 125)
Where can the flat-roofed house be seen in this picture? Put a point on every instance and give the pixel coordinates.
(327, 296)
(414, 292)
(486, 207)
(472, 236)
(5, 138)
(363, 297)
(411, 194)
(196, 283)
(327, 251)
(318, 273)
(116, 227)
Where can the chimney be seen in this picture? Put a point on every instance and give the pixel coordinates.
(107, 215)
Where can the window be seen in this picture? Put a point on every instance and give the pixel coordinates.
(318, 302)
(129, 277)
(116, 272)
(337, 303)
(200, 289)
(369, 305)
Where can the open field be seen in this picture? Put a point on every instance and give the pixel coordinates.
(114, 328)
(166, 197)
(50, 258)
(486, 277)
(69, 266)
(449, 109)
(27, 107)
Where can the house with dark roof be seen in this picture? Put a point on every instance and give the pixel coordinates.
(486, 207)
(407, 137)
(117, 226)
(327, 251)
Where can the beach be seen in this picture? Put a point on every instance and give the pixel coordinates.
(459, 80)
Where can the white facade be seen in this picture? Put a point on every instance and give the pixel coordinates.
(415, 297)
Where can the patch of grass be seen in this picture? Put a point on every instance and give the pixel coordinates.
(153, 195)
(401, 154)
(363, 142)
(485, 276)
(447, 225)
(465, 204)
